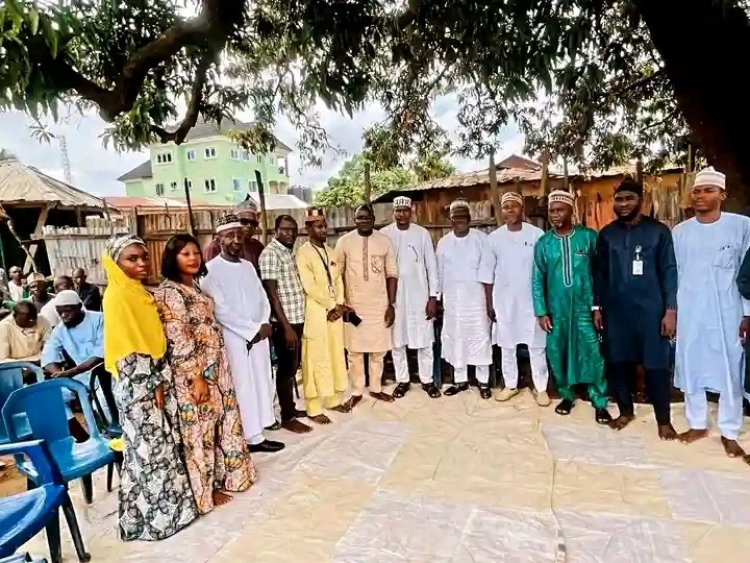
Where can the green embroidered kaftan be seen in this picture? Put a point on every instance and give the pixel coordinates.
(562, 288)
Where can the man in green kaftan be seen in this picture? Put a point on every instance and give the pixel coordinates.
(563, 297)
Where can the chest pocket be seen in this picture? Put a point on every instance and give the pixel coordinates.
(725, 257)
(376, 264)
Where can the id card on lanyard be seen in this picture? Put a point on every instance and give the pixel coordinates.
(638, 261)
(327, 268)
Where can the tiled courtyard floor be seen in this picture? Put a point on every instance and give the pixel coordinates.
(464, 480)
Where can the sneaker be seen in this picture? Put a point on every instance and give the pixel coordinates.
(506, 394)
(542, 399)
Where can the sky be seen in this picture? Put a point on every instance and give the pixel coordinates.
(95, 169)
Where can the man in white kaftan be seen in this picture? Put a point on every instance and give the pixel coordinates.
(416, 297)
(243, 311)
(513, 249)
(465, 275)
(712, 318)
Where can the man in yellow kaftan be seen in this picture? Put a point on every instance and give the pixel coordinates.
(324, 378)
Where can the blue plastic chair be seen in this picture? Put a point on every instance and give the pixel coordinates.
(11, 378)
(24, 515)
(44, 406)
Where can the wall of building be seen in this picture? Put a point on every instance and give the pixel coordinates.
(222, 176)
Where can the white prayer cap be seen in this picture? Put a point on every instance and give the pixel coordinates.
(710, 177)
(459, 203)
(67, 298)
(227, 222)
(511, 196)
(402, 201)
(561, 196)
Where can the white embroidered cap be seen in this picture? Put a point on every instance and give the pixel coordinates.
(401, 201)
(511, 196)
(710, 177)
(561, 196)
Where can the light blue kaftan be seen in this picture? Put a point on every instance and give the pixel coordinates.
(709, 312)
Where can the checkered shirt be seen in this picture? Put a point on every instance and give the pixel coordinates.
(277, 263)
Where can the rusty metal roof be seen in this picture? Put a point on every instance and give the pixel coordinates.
(21, 184)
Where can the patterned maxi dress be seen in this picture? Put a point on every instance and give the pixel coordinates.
(155, 497)
(215, 449)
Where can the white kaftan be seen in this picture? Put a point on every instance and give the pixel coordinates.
(511, 296)
(417, 282)
(241, 307)
(710, 309)
(464, 265)
(511, 290)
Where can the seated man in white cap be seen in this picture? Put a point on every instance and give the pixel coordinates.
(465, 274)
(513, 247)
(76, 349)
(711, 311)
(416, 297)
(244, 314)
(563, 294)
(49, 311)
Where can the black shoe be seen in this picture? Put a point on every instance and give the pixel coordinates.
(266, 446)
(431, 389)
(456, 389)
(484, 391)
(564, 407)
(275, 426)
(401, 390)
(602, 416)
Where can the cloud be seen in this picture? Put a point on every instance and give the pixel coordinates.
(95, 169)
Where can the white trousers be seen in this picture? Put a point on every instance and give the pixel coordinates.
(729, 416)
(461, 375)
(539, 370)
(401, 365)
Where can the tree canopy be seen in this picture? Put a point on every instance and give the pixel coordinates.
(597, 81)
(347, 188)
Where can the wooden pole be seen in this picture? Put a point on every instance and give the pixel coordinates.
(493, 189)
(189, 206)
(545, 172)
(264, 215)
(368, 184)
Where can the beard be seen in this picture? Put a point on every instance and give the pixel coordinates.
(630, 215)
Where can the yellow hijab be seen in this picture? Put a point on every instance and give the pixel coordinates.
(131, 320)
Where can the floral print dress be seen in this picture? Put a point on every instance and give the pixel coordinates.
(155, 497)
(215, 449)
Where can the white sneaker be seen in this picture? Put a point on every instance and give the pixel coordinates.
(542, 399)
(506, 394)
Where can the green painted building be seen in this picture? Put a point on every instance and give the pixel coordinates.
(217, 170)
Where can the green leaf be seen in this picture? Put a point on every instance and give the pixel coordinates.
(34, 20)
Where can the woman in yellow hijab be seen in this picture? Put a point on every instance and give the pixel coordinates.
(156, 500)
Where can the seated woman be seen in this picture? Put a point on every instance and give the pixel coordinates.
(215, 450)
(155, 497)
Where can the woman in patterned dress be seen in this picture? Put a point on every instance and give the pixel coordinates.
(155, 496)
(216, 453)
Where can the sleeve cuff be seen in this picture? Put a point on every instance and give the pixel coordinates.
(746, 308)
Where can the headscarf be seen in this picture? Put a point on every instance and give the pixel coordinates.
(131, 320)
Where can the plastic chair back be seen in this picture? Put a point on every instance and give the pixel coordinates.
(45, 409)
(11, 378)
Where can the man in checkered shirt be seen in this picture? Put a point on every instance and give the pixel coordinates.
(278, 270)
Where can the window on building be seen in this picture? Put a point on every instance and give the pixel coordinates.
(164, 158)
(236, 184)
(209, 185)
(159, 189)
(173, 186)
(259, 158)
(252, 186)
(246, 156)
(191, 154)
(210, 152)
(234, 154)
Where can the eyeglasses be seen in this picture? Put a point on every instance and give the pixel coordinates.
(246, 222)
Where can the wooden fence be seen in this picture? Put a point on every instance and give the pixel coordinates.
(72, 247)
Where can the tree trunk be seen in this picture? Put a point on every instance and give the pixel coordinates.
(494, 191)
(703, 44)
(368, 184)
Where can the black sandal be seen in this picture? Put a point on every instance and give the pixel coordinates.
(484, 391)
(564, 407)
(602, 416)
(401, 390)
(456, 389)
(431, 390)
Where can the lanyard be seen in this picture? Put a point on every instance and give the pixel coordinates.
(325, 265)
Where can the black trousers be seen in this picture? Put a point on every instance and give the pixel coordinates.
(105, 384)
(287, 364)
(658, 388)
